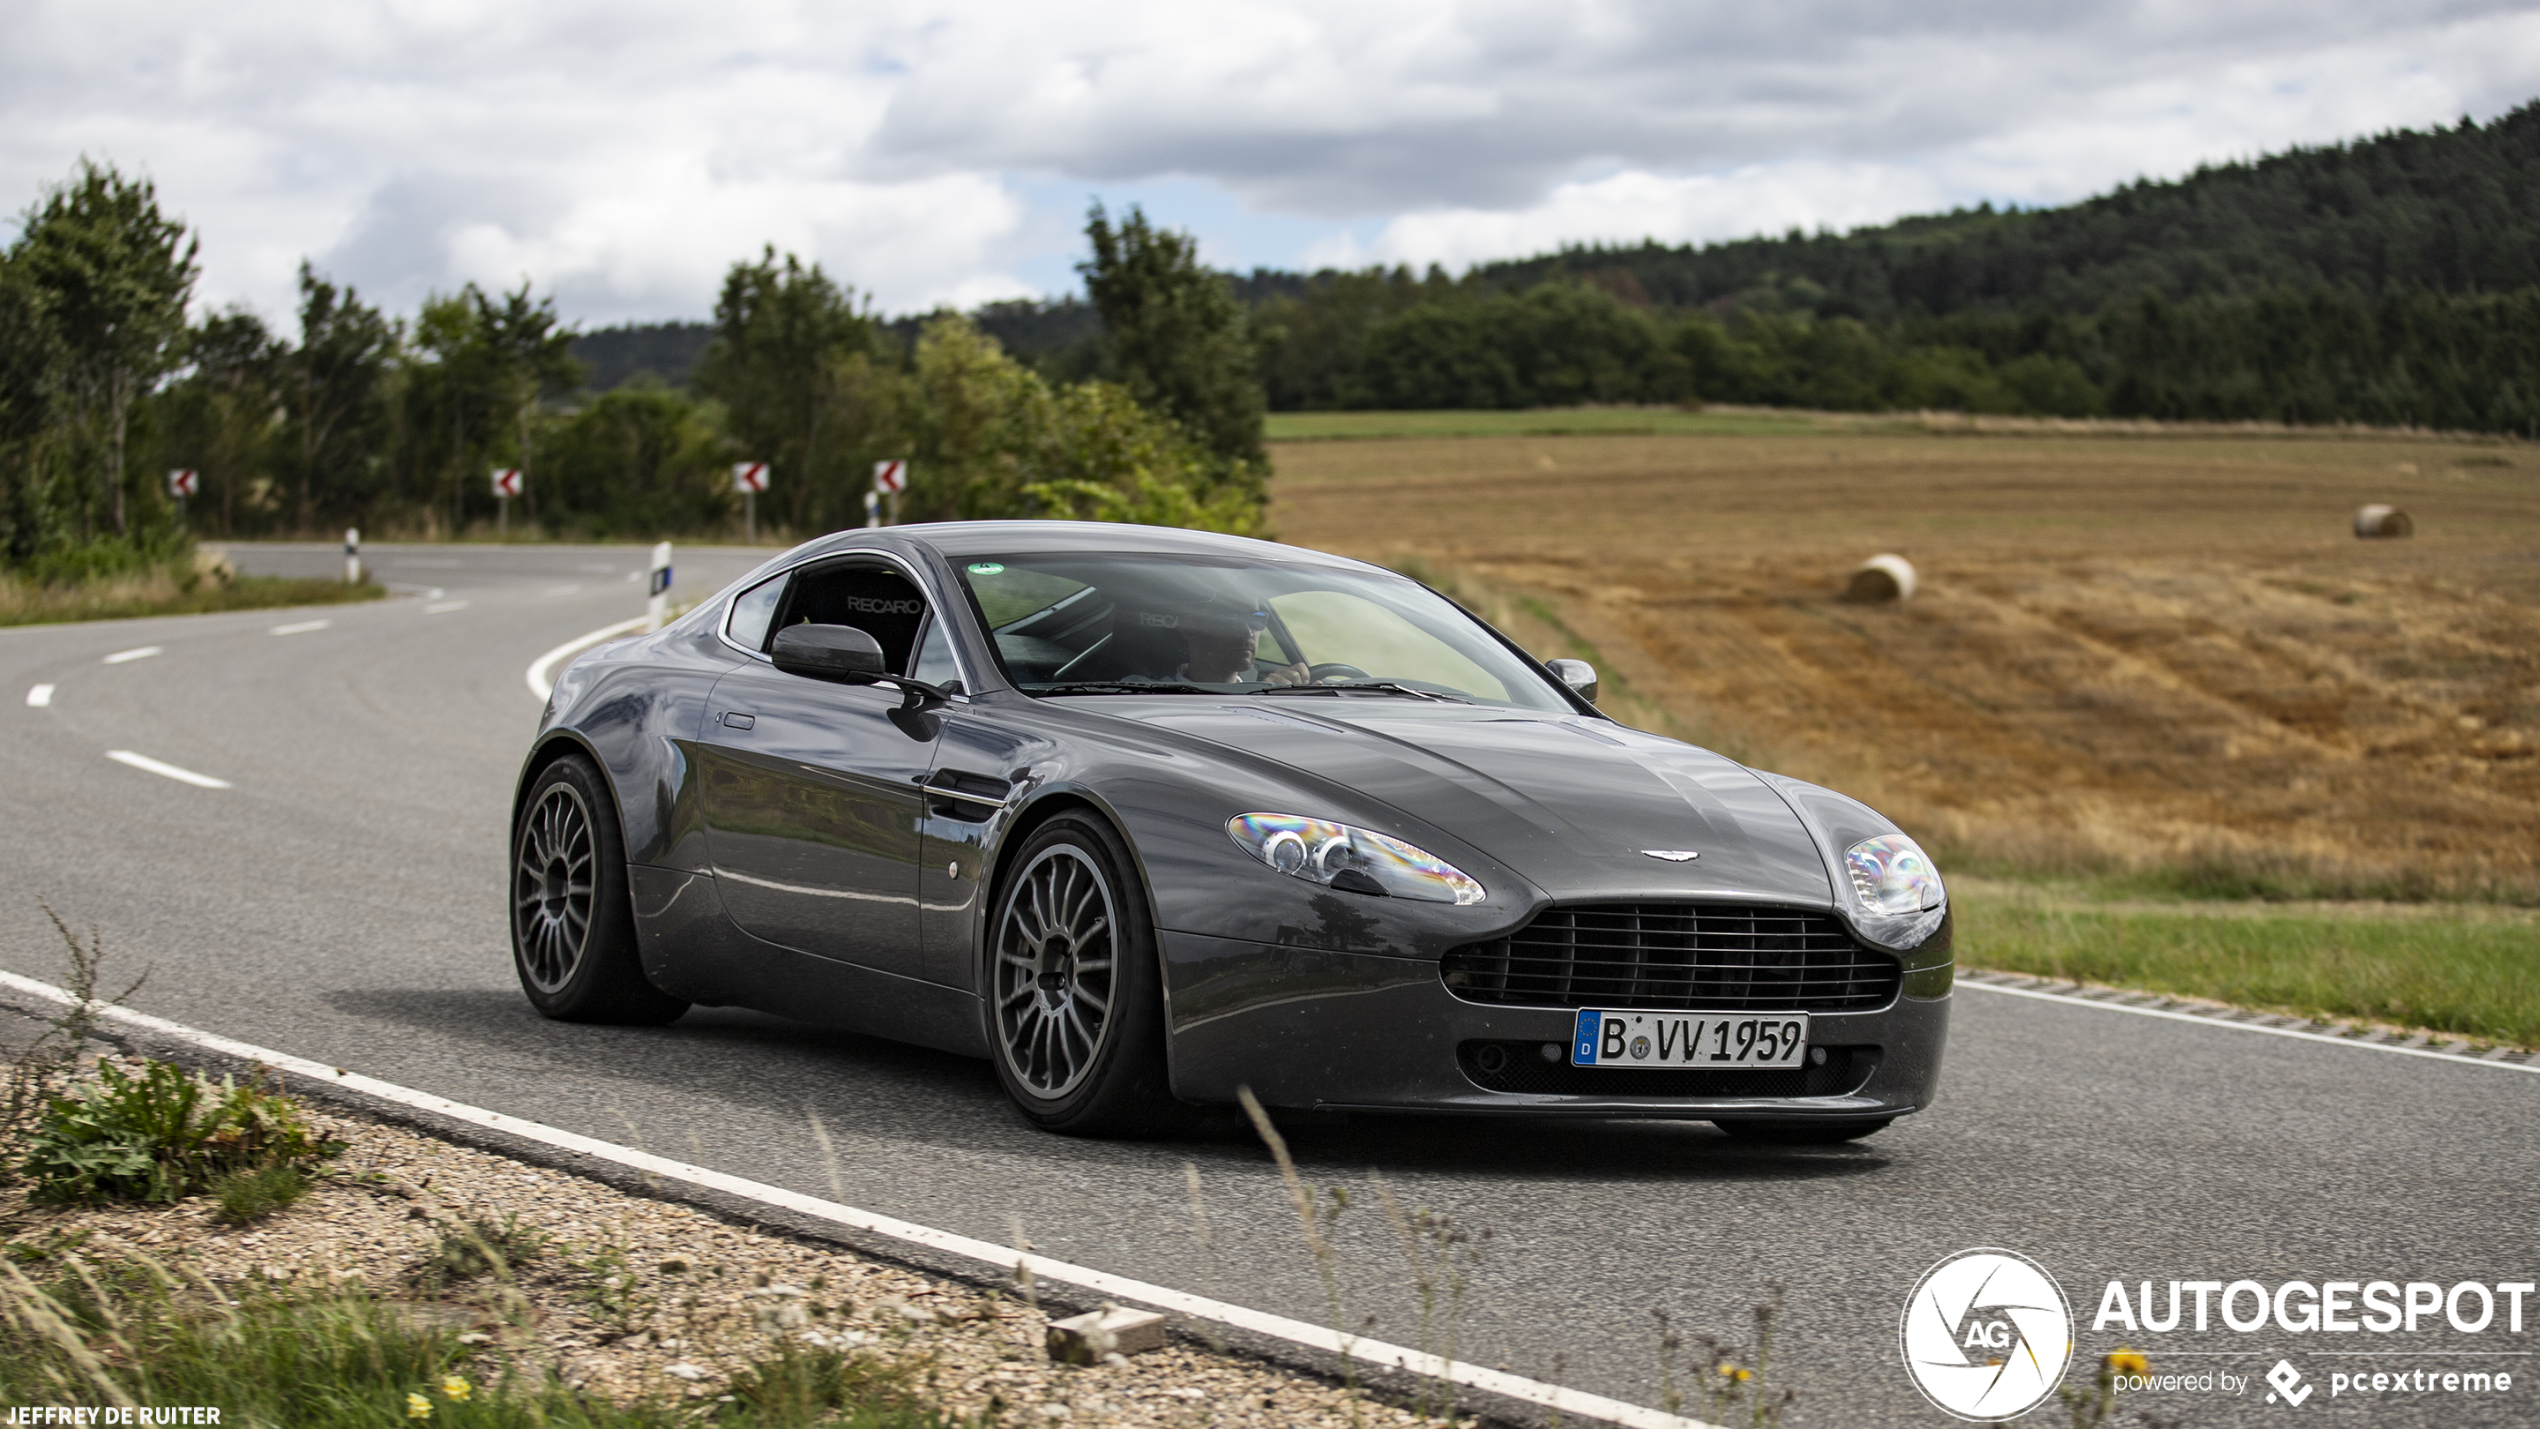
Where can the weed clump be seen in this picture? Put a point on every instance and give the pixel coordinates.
(478, 1247)
(165, 1135)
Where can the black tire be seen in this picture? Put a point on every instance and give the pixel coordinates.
(1812, 1132)
(573, 927)
(1079, 1040)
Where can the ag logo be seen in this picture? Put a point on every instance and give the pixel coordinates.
(1987, 1334)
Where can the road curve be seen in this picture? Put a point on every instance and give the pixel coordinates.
(341, 900)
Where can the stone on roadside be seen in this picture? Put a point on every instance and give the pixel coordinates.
(1086, 1339)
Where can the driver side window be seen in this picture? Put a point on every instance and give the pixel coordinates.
(874, 599)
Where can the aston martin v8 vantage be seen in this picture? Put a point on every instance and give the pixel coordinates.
(1146, 817)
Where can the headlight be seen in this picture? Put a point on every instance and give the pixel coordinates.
(1351, 859)
(1900, 897)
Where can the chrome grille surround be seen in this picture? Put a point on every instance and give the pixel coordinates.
(1667, 956)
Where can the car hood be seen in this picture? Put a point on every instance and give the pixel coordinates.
(1569, 803)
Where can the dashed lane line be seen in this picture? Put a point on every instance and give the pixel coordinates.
(39, 696)
(1001, 1259)
(444, 607)
(143, 653)
(300, 627)
(542, 671)
(2107, 1001)
(182, 776)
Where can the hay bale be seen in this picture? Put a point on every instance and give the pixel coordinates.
(1881, 578)
(2382, 522)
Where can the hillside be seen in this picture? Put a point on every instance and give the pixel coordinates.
(2453, 210)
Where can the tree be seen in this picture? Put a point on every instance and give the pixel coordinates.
(792, 361)
(331, 391)
(532, 352)
(1178, 338)
(30, 383)
(115, 274)
(221, 413)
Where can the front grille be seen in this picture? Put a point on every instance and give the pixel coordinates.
(1504, 1066)
(1671, 957)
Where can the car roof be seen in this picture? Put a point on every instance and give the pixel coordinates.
(957, 540)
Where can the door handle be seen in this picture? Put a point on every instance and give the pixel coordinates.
(734, 719)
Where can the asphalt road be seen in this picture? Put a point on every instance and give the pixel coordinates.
(343, 900)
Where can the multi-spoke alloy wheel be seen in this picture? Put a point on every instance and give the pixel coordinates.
(551, 888)
(1056, 971)
(573, 925)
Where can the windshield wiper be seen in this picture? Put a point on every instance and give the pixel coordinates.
(1117, 687)
(1382, 687)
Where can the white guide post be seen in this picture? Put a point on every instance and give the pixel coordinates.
(352, 556)
(657, 589)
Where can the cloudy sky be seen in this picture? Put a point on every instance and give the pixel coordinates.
(622, 154)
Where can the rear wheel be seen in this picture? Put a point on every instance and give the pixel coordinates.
(1075, 997)
(573, 928)
(1811, 1132)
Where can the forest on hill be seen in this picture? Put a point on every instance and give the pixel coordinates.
(2391, 280)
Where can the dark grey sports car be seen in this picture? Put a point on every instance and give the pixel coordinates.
(1147, 816)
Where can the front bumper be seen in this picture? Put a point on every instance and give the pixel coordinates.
(1311, 1028)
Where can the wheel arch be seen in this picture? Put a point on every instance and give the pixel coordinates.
(558, 745)
(1045, 806)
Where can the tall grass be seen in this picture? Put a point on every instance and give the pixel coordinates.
(162, 592)
(134, 1333)
(2469, 975)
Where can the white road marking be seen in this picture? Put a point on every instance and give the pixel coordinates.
(144, 653)
(2205, 1020)
(39, 697)
(542, 674)
(300, 627)
(566, 590)
(444, 607)
(1554, 1397)
(182, 776)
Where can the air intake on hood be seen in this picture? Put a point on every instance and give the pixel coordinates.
(1719, 957)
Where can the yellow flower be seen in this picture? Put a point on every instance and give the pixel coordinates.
(456, 1388)
(418, 1407)
(2126, 1361)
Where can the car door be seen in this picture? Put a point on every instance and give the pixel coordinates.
(812, 789)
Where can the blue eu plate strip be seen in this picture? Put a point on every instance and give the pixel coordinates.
(1583, 1043)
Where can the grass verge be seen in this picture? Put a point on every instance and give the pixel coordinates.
(2463, 971)
(129, 597)
(130, 1333)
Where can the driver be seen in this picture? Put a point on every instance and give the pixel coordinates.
(1224, 641)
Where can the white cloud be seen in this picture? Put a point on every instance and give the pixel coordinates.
(623, 154)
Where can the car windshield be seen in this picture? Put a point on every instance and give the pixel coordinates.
(1093, 623)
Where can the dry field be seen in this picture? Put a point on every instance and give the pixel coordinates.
(2154, 655)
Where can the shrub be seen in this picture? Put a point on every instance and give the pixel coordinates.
(162, 1136)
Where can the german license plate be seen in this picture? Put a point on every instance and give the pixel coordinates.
(1688, 1039)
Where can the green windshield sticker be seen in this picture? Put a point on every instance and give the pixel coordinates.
(986, 568)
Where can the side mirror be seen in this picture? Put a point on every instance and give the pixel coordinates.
(1579, 675)
(827, 652)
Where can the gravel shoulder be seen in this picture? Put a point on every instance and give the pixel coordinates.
(633, 1298)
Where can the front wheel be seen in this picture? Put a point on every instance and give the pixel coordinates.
(1075, 996)
(573, 927)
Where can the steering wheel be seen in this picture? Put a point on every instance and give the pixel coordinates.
(1334, 670)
